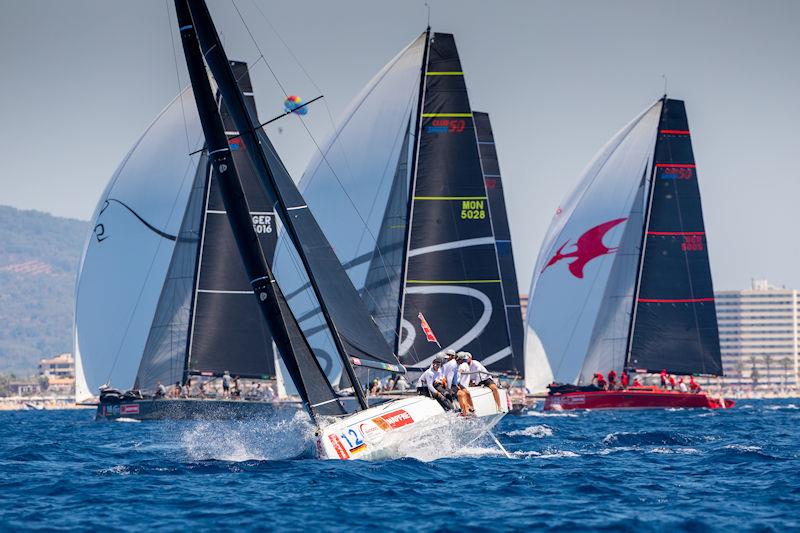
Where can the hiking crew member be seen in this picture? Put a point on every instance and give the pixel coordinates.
(693, 386)
(463, 395)
(430, 385)
(624, 380)
(664, 379)
(483, 378)
(450, 373)
(682, 386)
(672, 382)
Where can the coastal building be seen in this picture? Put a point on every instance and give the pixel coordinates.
(759, 330)
(58, 373)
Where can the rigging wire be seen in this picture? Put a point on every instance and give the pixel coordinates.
(178, 76)
(305, 126)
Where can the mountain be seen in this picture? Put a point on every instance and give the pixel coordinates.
(39, 255)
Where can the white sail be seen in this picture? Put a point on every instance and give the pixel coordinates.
(579, 249)
(348, 186)
(128, 250)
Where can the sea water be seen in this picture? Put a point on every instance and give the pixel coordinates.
(695, 470)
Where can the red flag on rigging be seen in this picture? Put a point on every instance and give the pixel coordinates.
(427, 329)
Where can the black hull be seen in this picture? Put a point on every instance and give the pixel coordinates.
(193, 409)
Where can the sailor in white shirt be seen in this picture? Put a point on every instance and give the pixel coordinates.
(464, 397)
(450, 373)
(430, 384)
(482, 377)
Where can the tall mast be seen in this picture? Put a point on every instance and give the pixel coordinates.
(223, 74)
(258, 271)
(412, 185)
(643, 243)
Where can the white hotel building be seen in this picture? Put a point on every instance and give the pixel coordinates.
(759, 331)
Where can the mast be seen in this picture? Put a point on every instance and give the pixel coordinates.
(220, 67)
(643, 243)
(268, 293)
(412, 186)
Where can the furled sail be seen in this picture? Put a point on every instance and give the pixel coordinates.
(502, 240)
(453, 293)
(125, 260)
(675, 320)
(579, 249)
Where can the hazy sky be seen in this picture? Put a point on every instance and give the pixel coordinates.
(82, 79)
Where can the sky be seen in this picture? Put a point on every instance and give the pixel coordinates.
(81, 80)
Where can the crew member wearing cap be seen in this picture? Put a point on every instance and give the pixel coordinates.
(450, 374)
(482, 377)
(464, 397)
(430, 384)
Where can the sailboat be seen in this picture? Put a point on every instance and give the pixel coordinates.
(356, 338)
(409, 193)
(623, 281)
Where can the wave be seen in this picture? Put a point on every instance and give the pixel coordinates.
(537, 432)
(652, 438)
(551, 414)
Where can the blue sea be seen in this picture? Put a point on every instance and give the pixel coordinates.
(685, 470)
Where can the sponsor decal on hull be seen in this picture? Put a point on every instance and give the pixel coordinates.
(337, 445)
(129, 409)
(393, 420)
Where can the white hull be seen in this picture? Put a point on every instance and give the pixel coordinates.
(389, 429)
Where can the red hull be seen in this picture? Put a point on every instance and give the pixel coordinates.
(644, 398)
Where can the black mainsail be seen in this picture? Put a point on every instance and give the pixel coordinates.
(675, 296)
(206, 321)
(451, 282)
(357, 339)
(502, 237)
(389, 188)
(301, 363)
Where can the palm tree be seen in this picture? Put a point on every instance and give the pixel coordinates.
(785, 362)
(754, 371)
(768, 364)
(740, 371)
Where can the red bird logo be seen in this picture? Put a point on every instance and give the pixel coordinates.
(588, 246)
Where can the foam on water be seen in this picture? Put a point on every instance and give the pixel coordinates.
(267, 439)
(537, 432)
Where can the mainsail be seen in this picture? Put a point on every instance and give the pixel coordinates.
(207, 321)
(502, 237)
(593, 280)
(412, 129)
(161, 292)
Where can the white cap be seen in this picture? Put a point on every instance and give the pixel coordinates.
(468, 355)
(450, 353)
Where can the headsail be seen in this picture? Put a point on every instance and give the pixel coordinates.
(676, 294)
(127, 253)
(579, 249)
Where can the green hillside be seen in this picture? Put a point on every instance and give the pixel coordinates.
(39, 256)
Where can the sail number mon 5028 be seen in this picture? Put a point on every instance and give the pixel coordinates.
(473, 210)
